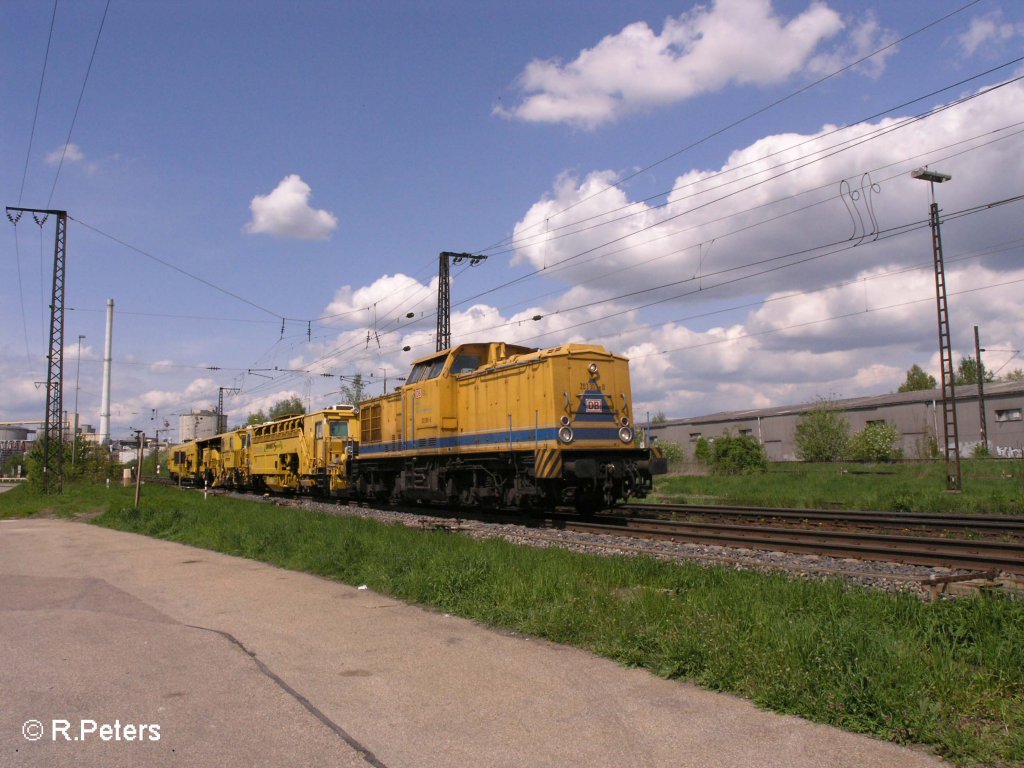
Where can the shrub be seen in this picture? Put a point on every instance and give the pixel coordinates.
(741, 455)
(672, 451)
(876, 442)
(703, 451)
(822, 433)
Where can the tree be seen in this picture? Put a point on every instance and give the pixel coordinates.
(290, 406)
(822, 433)
(255, 418)
(11, 464)
(967, 372)
(876, 442)
(917, 379)
(353, 391)
(1015, 375)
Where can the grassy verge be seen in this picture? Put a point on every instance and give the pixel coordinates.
(946, 675)
(989, 486)
(78, 499)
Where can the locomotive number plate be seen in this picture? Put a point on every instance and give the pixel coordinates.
(593, 404)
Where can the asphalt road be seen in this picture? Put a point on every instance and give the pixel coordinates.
(118, 650)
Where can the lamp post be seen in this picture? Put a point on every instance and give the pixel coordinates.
(954, 478)
(74, 434)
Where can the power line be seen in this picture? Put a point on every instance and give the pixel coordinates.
(35, 113)
(81, 94)
(843, 316)
(176, 268)
(793, 167)
(516, 243)
(762, 110)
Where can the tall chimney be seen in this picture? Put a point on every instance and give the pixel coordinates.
(107, 355)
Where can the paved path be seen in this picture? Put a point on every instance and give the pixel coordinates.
(236, 663)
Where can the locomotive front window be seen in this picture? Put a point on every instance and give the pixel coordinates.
(339, 429)
(427, 370)
(417, 373)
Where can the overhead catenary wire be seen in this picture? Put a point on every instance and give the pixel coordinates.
(899, 164)
(39, 98)
(760, 111)
(787, 169)
(78, 106)
(516, 243)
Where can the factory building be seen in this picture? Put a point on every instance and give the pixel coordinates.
(917, 416)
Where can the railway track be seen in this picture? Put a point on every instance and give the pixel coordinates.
(831, 534)
(931, 547)
(933, 524)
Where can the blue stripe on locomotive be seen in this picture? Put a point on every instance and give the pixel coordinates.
(491, 439)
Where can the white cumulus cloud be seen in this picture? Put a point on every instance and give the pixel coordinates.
(286, 212)
(701, 51)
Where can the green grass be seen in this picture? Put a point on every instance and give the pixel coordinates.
(948, 675)
(79, 498)
(989, 486)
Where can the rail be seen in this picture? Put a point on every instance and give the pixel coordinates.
(920, 550)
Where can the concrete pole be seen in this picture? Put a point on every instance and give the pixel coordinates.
(108, 348)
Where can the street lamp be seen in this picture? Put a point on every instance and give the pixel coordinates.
(78, 370)
(954, 478)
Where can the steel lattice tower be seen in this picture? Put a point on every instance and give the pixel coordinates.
(53, 427)
(444, 296)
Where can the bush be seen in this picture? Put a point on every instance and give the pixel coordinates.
(672, 451)
(823, 433)
(876, 442)
(741, 455)
(703, 451)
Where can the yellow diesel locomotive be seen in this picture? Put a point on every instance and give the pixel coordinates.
(501, 425)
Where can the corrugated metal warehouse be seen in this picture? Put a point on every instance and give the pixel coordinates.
(917, 415)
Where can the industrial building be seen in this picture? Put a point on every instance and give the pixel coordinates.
(917, 416)
(200, 425)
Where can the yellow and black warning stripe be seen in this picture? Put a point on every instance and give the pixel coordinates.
(548, 463)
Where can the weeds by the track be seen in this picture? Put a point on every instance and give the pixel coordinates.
(989, 486)
(949, 675)
(78, 499)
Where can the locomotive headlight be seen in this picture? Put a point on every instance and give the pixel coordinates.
(593, 369)
(565, 421)
(624, 421)
(565, 435)
(626, 435)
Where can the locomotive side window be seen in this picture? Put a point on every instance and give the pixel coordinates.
(339, 429)
(466, 364)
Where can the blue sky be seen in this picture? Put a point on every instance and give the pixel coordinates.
(666, 179)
